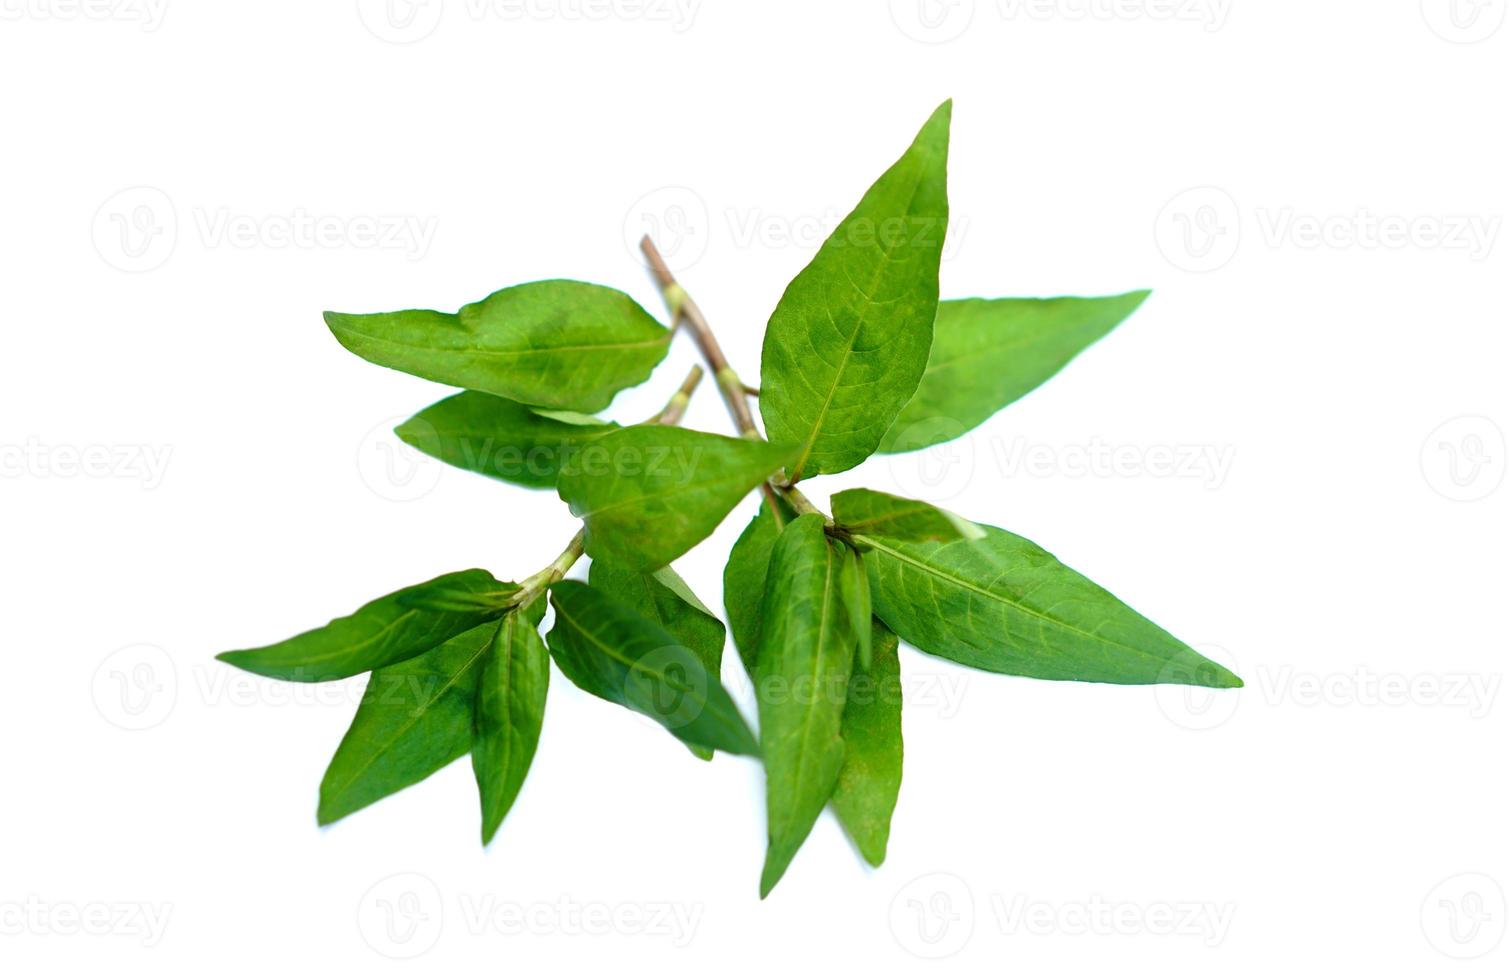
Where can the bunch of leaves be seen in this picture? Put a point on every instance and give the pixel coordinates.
(860, 357)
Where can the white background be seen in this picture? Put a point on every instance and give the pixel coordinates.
(1347, 557)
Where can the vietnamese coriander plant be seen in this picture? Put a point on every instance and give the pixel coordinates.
(859, 358)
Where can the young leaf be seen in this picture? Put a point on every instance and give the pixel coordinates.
(385, 631)
(415, 719)
(987, 353)
(854, 586)
(807, 646)
(648, 493)
(608, 650)
(887, 516)
(849, 340)
(499, 438)
(665, 599)
(870, 780)
(558, 343)
(1005, 605)
(510, 708)
(744, 579)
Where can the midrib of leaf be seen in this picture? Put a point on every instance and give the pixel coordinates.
(1004, 600)
(526, 352)
(413, 719)
(368, 641)
(817, 661)
(869, 303)
(610, 651)
(890, 516)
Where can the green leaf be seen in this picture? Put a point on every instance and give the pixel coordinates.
(854, 586)
(385, 631)
(1005, 605)
(499, 438)
(608, 650)
(887, 516)
(870, 780)
(510, 707)
(744, 580)
(849, 341)
(415, 719)
(987, 353)
(806, 652)
(665, 599)
(648, 493)
(558, 343)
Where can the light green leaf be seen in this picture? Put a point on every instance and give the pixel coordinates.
(665, 599)
(806, 652)
(607, 649)
(987, 353)
(1005, 605)
(499, 438)
(848, 342)
(510, 707)
(385, 631)
(887, 516)
(744, 580)
(648, 493)
(558, 343)
(870, 780)
(415, 719)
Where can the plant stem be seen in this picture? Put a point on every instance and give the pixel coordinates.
(684, 309)
(535, 585)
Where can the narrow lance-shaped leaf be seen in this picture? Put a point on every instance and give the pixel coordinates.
(987, 353)
(499, 438)
(806, 652)
(665, 599)
(744, 579)
(509, 710)
(608, 650)
(884, 515)
(854, 586)
(648, 493)
(1004, 604)
(557, 343)
(415, 718)
(385, 631)
(870, 780)
(849, 340)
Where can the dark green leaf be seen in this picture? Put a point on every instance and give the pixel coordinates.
(498, 438)
(744, 580)
(607, 649)
(884, 515)
(1005, 605)
(558, 343)
(510, 707)
(806, 652)
(385, 631)
(854, 586)
(870, 779)
(849, 341)
(987, 353)
(665, 599)
(648, 493)
(415, 718)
